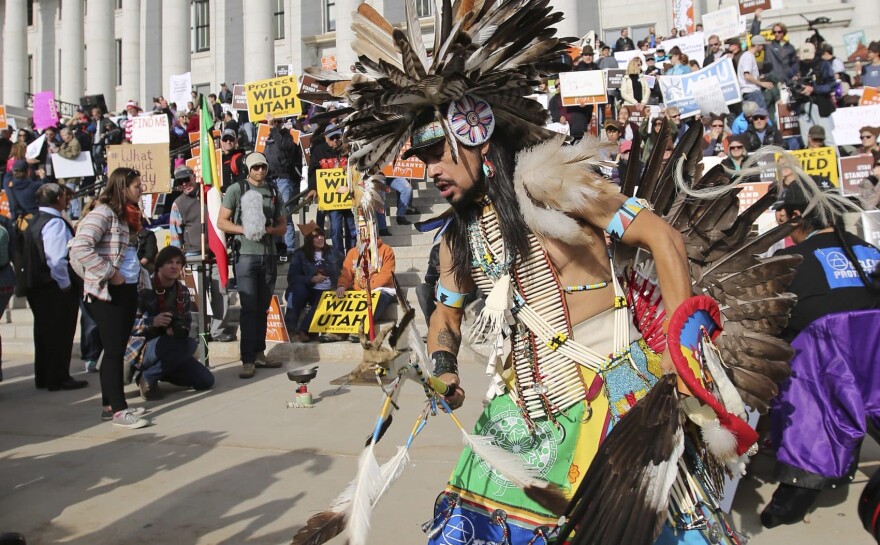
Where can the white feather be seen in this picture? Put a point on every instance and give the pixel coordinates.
(367, 485)
(508, 464)
(391, 471)
(720, 441)
(253, 219)
(665, 475)
(730, 398)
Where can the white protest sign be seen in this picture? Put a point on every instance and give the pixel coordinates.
(724, 23)
(848, 121)
(705, 92)
(623, 57)
(691, 45)
(81, 167)
(179, 89)
(150, 129)
(35, 147)
(582, 88)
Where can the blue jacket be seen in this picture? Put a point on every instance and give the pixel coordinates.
(302, 270)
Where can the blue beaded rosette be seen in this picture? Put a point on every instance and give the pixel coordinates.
(471, 120)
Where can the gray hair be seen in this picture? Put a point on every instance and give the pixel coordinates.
(48, 194)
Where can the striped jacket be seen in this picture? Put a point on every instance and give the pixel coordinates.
(98, 249)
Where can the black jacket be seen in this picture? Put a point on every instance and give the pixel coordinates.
(283, 155)
(771, 137)
(322, 157)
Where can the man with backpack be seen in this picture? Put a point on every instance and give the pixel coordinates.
(252, 212)
(232, 160)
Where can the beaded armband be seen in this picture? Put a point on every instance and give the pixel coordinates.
(624, 216)
(448, 297)
(444, 362)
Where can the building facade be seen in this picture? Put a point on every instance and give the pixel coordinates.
(128, 49)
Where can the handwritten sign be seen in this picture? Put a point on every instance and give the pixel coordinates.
(180, 89)
(751, 6)
(330, 181)
(239, 97)
(275, 96)
(583, 88)
(276, 331)
(45, 111)
(789, 125)
(3, 123)
(819, 162)
(152, 160)
(724, 23)
(344, 314)
(848, 122)
(870, 96)
(150, 129)
(262, 135)
(411, 168)
(853, 170)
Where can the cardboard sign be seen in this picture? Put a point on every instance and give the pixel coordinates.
(344, 314)
(613, 77)
(751, 193)
(180, 90)
(724, 23)
(819, 162)
(677, 89)
(4, 205)
(870, 96)
(411, 168)
(152, 160)
(583, 88)
(852, 171)
(239, 97)
(276, 331)
(73, 168)
(263, 130)
(276, 96)
(852, 40)
(751, 6)
(330, 181)
(150, 129)
(328, 63)
(789, 124)
(3, 123)
(45, 111)
(848, 121)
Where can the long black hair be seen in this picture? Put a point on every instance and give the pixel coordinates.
(500, 190)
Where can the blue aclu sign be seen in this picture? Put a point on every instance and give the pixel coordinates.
(677, 90)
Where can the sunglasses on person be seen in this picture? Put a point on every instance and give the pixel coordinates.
(779, 32)
(676, 116)
(759, 117)
(335, 137)
(866, 136)
(714, 44)
(260, 167)
(228, 139)
(736, 147)
(132, 174)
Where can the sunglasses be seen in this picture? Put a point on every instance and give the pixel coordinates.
(676, 117)
(866, 136)
(778, 32)
(227, 139)
(132, 174)
(736, 147)
(334, 137)
(260, 167)
(759, 117)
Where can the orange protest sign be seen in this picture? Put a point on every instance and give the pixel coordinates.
(3, 123)
(276, 331)
(196, 163)
(871, 95)
(411, 168)
(295, 135)
(262, 135)
(4, 205)
(328, 63)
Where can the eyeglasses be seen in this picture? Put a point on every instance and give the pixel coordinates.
(759, 117)
(736, 147)
(866, 136)
(260, 167)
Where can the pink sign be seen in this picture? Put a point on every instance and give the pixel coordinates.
(45, 112)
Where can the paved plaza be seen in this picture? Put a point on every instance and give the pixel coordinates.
(235, 465)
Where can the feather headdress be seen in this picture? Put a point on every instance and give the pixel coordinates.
(486, 57)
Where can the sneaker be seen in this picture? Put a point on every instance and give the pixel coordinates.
(247, 370)
(385, 233)
(128, 419)
(354, 339)
(331, 338)
(107, 414)
(403, 221)
(91, 366)
(263, 361)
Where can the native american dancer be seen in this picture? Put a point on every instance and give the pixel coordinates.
(575, 339)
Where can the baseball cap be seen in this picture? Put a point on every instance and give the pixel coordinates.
(254, 159)
(613, 123)
(816, 132)
(761, 112)
(229, 132)
(587, 50)
(20, 164)
(183, 172)
(332, 130)
(759, 40)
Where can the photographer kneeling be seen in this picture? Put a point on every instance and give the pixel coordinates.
(160, 347)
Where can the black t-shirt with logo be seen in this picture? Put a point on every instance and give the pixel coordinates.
(827, 281)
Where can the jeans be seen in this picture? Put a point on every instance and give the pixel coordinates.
(340, 219)
(298, 296)
(115, 319)
(90, 346)
(286, 192)
(404, 200)
(255, 275)
(170, 359)
(219, 304)
(757, 97)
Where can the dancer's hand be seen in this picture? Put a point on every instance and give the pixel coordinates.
(455, 399)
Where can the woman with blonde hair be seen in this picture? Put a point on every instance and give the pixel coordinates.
(634, 87)
(104, 252)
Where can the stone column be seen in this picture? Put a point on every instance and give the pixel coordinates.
(72, 51)
(176, 39)
(101, 54)
(131, 47)
(345, 56)
(259, 43)
(15, 53)
(568, 27)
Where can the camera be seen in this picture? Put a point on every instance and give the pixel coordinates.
(178, 328)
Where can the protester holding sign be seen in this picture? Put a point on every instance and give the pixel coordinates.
(314, 269)
(869, 74)
(327, 154)
(354, 277)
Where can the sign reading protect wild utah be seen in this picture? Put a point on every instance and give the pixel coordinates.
(276, 96)
(344, 314)
(330, 181)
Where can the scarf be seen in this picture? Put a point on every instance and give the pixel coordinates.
(133, 218)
